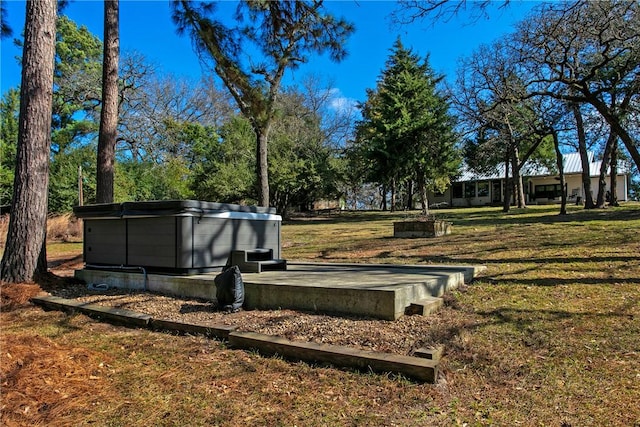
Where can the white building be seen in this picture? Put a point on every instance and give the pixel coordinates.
(541, 185)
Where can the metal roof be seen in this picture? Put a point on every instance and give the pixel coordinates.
(572, 165)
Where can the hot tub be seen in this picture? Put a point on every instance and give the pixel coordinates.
(176, 236)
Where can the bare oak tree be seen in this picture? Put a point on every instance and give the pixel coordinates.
(588, 53)
(491, 99)
(410, 11)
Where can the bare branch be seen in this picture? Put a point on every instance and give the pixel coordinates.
(410, 11)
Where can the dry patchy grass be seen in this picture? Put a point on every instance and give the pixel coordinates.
(549, 336)
(63, 231)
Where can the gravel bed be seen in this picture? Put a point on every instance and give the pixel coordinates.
(402, 336)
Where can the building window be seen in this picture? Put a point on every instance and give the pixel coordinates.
(483, 189)
(469, 190)
(456, 190)
(549, 191)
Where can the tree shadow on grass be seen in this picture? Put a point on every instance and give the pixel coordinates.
(447, 259)
(71, 261)
(538, 329)
(548, 282)
(51, 282)
(347, 217)
(531, 320)
(488, 217)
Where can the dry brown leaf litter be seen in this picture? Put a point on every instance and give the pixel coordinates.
(44, 382)
(402, 336)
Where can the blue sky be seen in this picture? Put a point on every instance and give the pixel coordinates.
(146, 27)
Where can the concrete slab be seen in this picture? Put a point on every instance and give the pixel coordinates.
(374, 290)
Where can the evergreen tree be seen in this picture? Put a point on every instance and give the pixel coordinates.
(25, 250)
(5, 28)
(106, 158)
(76, 97)
(224, 171)
(76, 79)
(76, 101)
(407, 130)
(9, 112)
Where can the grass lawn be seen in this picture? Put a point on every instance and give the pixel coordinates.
(549, 336)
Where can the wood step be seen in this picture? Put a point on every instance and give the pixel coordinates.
(113, 314)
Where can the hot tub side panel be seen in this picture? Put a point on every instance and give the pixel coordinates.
(152, 241)
(215, 238)
(105, 241)
(184, 243)
(211, 245)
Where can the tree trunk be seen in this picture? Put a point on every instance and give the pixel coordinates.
(109, 113)
(602, 181)
(41, 265)
(613, 197)
(560, 163)
(517, 177)
(383, 201)
(506, 203)
(584, 157)
(262, 164)
(394, 190)
(618, 128)
(27, 224)
(522, 201)
(409, 195)
(355, 190)
(422, 191)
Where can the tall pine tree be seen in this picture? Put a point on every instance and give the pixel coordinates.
(106, 158)
(278, 36)
(25, 250)
(407, 131)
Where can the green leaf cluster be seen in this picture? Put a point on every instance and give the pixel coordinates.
(303, 167)
(225, 170)
(9, 110)
(407, 132)
(77, 77)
